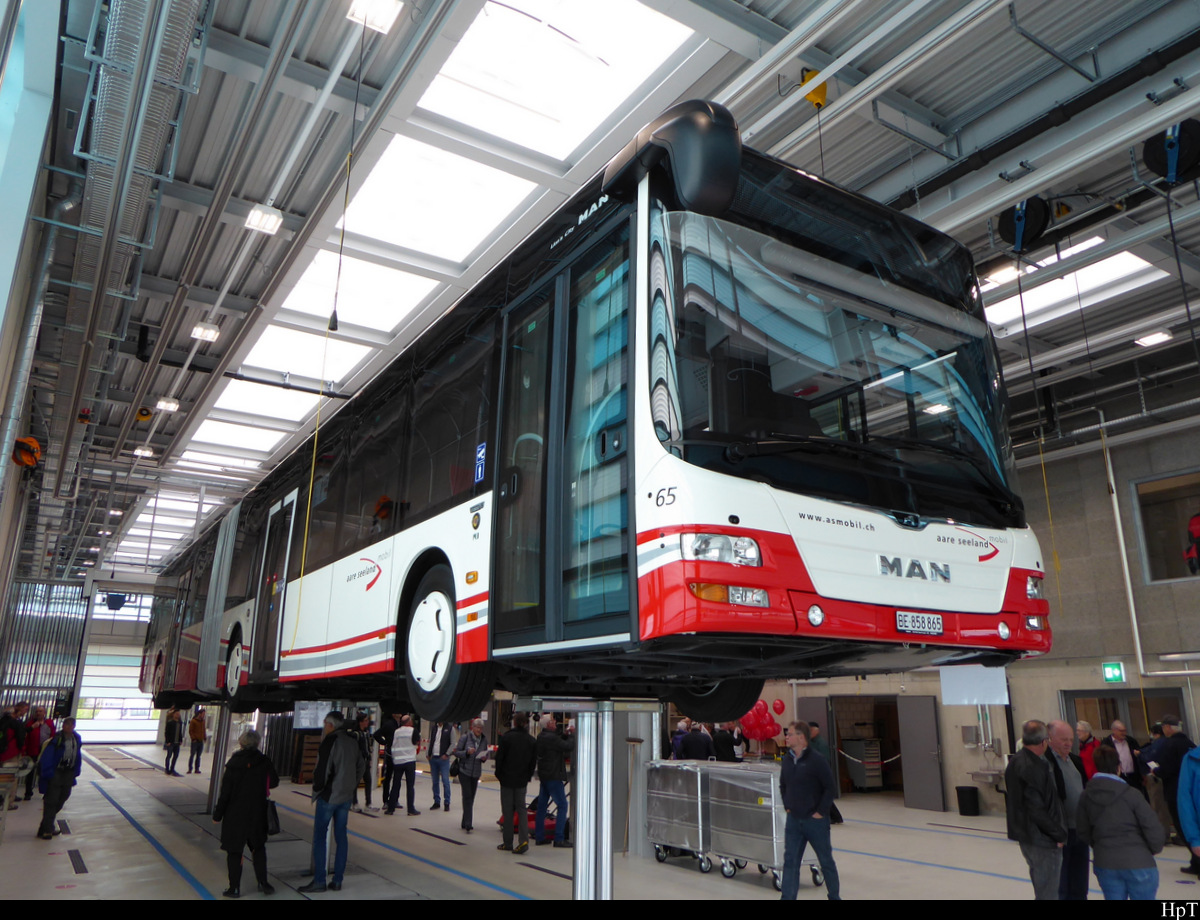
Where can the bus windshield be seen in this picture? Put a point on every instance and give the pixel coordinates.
(828, 369)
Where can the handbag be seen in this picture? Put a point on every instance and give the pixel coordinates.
(454, 767)
(272, 818)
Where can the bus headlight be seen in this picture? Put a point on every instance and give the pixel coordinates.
(1033, 588)
(1003, 630)
(1035, 622)
(718, 547)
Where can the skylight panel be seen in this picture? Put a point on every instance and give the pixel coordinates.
(367, 294)
(431, 201)
(203, 460)
(304, 354)
(242, 436)
(545, 73)
(259, 399)
(1093, 284)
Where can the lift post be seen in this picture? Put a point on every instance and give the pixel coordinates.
(593, 785)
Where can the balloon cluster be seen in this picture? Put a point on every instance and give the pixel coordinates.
(759, 725)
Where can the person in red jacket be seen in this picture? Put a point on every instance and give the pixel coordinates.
(38, 730)
(1087, 746)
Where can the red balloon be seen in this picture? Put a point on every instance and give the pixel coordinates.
(778, 707)
(777, 728)
(760, 707)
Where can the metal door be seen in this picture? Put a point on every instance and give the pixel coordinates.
(272, 588)
(920, 746)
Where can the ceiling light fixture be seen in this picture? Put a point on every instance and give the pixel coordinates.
(144, 452)
(1154, 338)
(378, 15)
(936, 409)
(264, 219)
(206, 332)
(167, 404)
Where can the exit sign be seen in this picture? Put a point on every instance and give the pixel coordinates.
(1114, 672)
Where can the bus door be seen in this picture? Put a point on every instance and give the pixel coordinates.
(272, 589)
(518, 598)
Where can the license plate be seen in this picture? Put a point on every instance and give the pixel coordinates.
(927, 624)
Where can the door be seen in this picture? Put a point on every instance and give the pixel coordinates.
(518, 582)
(272, 589)
(920, 746)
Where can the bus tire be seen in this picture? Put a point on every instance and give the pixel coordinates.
(441, 689)
(723, 701)
(233, 669)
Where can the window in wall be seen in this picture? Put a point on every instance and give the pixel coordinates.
(1169, 511)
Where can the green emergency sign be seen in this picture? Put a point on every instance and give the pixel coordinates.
(1114, 672)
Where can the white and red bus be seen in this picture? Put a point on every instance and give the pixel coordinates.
(717, 421)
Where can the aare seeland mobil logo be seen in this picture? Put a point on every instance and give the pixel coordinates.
(371, 570)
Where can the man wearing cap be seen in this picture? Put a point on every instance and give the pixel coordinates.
(339, 766)
(1174, 752)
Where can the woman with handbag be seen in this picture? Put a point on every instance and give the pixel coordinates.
(242, 810)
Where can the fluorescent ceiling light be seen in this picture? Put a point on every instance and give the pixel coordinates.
(304, 354)
(116, 513)
(1154, 338)
(206, 332)
(167, 404)
(201, 460)
(546, 74)
(242, 436)
(264, 219)
(143, 451)
(368, 295)
(378, 15)
(427, 200)
(936, 409)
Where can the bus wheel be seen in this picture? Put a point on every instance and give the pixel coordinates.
(723, 701)
(233, 667)
(441, 689)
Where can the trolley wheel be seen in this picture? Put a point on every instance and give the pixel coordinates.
(817, 876)
(762, 870)
(728, 869)
(660, 853)
(778, 879)
(705, 864)
(740, 863)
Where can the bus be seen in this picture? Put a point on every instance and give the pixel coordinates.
(717, 421)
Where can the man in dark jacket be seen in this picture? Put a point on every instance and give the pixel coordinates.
(1070, 776)
(516, 756)
(1174, 749)
(1035, 813)
(339, 766)
(384, 738)
(58, 769)
(440, 745)
(552, 749)
(806, 781)
(1127, 749)
(696, 745)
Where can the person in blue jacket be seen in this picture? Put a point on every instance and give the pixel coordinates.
(58, 769)
(1188, 802)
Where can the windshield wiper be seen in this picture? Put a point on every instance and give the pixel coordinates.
(779, 443)
(984, 471)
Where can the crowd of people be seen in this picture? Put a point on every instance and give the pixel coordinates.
(1113, 804)
(49, 756)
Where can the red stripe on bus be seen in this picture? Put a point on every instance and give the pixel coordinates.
(308, 650)
(472, 601)
(471, 646)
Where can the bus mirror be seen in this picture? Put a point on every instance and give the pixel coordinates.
(702, 145)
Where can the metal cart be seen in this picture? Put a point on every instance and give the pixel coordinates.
(723, 813)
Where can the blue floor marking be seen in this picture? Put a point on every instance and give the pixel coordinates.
(421, 859)
(930, 830)
(162, 851)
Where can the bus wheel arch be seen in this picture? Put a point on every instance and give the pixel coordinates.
(233, 665)
(721, 701)
(440, 689)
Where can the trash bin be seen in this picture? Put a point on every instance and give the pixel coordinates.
(968, 801)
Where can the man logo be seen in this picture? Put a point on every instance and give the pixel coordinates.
(912, 568)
